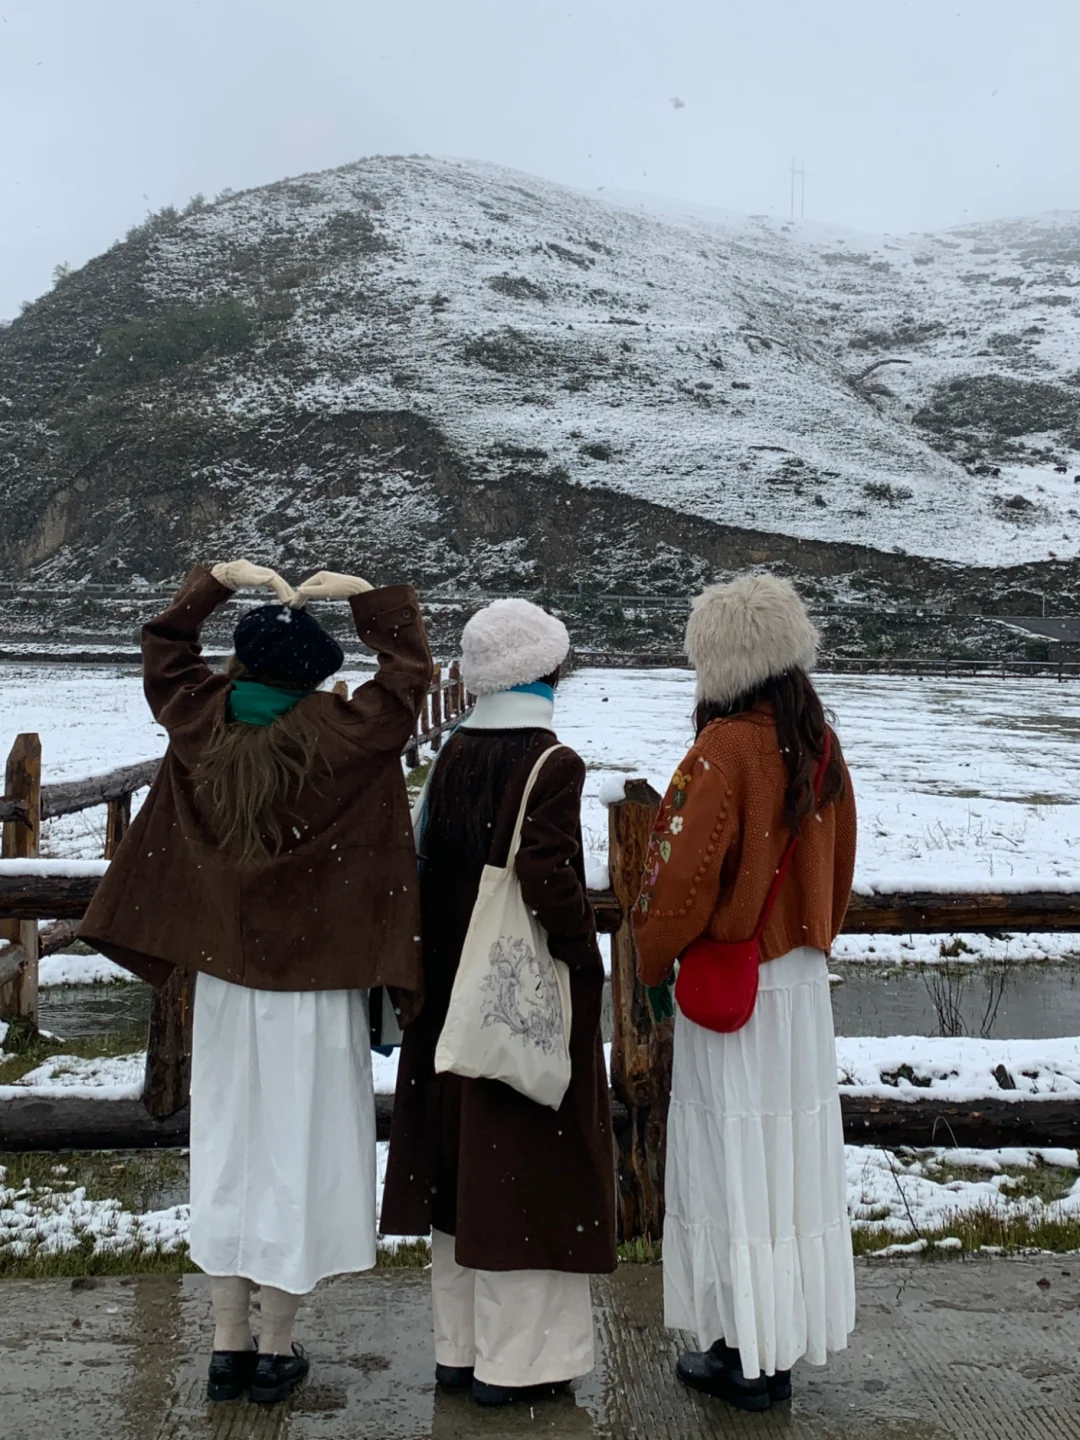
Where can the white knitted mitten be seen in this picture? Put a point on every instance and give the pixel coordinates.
(326, 585)
(242, 575)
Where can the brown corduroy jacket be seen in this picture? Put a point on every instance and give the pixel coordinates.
(718, 840)
(339, 907)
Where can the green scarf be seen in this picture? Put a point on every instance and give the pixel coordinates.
(252, 703)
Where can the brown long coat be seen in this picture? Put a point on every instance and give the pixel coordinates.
(338, 908)
(521, 1186)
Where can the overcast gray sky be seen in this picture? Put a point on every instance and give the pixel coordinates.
(911, 114)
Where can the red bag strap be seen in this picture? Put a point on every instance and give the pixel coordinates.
(793, 844)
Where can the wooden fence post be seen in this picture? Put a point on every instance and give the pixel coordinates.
(436, 706)
(167, 1082)
(117, 820)
(22, 783)
(641, 1051)
(456, 694)
(412, 749)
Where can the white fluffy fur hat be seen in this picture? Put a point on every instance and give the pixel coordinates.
(510, 642)
(742, 634)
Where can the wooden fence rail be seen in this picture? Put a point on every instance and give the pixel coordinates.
(56, 1122)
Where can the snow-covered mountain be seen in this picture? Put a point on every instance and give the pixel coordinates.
(487, 378)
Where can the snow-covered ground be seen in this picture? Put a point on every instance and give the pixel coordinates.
(901, 1067)
(888, 1195)
(960, 783)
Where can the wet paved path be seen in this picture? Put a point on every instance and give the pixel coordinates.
(987, 1349)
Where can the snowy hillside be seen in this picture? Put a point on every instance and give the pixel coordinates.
(426, 361)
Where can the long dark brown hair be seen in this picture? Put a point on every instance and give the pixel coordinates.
(250, 774)
(467, 786)
(801, 724)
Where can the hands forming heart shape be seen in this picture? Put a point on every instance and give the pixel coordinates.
(323, 585)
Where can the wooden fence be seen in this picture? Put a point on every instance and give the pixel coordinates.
(940, 667)
(641, 1051)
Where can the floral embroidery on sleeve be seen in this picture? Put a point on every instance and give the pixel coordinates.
(668, 823)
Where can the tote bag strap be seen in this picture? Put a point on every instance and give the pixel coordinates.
(793, 844)
(515, 842)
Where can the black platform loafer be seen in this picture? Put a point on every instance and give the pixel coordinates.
(277, 1376)
(779, 1385)
(701, 1368)
(454, 1377)
(711, 1372)
(485, 1394)
(230, 1374)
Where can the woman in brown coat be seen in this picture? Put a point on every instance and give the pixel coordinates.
(757, 1249)
(274, 855)
(519, 1197)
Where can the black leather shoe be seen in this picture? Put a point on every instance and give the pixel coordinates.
(701, 1368)
(230, 1374)
(713, 1373)
(277, 1376)
(485, 1394)
(454, 1377)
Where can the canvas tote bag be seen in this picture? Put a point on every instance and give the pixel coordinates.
(509, 1015)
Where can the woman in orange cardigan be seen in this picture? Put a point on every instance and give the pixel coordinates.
(757, 1247)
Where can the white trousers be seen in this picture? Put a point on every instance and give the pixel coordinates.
(513, 1327)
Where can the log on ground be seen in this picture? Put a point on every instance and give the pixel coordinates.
(60, 1123)
(981, 1124)
(934, 913)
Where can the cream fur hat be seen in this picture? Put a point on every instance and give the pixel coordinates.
(508, 643)
(742, 634)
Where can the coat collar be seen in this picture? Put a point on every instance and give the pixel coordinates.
(511, 710)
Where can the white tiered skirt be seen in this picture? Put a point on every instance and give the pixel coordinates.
(757, 1244)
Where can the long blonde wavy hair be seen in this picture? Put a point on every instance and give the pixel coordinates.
(250, 774)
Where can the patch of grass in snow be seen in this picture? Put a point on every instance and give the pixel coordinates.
(140, 1180)
(981, 1229)
(640, 1252)
(406, 1255)
(83, 1261)
(414, 780)
(1047, 1183)
(26, 1048)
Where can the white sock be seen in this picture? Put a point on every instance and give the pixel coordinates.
(231, 1299)
(278, 1309)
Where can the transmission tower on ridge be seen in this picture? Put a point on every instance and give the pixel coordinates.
(800, 174)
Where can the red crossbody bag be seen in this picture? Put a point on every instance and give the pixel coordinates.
(718, 979)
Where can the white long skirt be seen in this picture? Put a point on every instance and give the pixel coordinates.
(282, 1134)
(757, 1244)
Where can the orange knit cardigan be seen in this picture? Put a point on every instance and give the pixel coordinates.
(718, 840)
